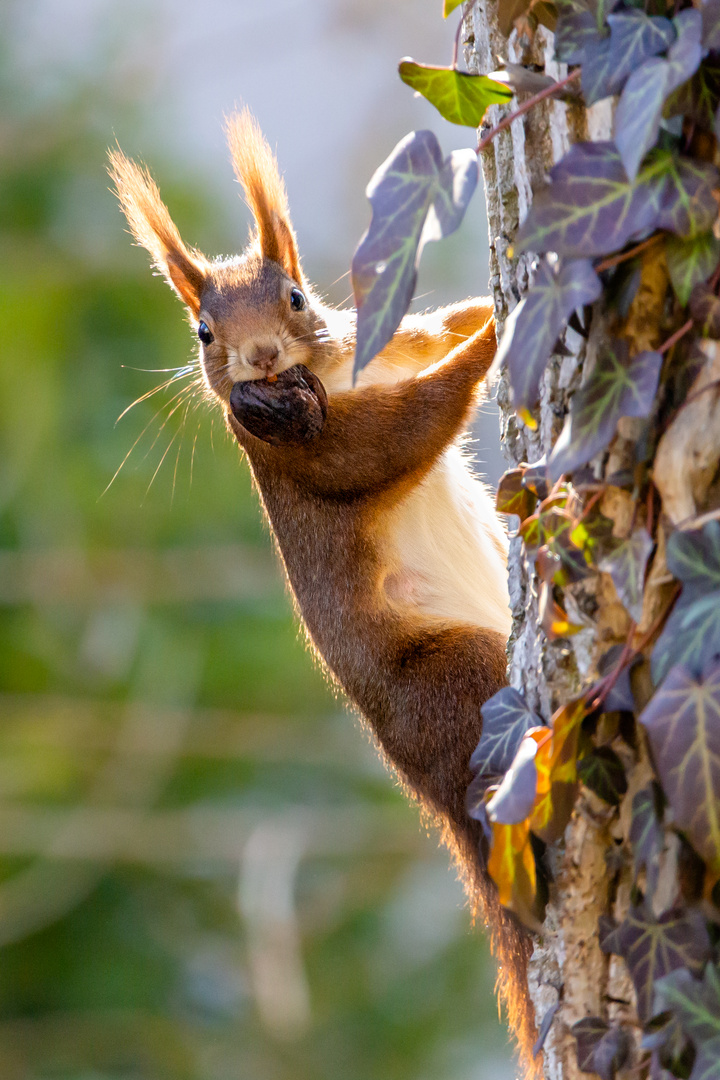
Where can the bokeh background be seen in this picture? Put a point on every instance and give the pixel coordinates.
(205, 874)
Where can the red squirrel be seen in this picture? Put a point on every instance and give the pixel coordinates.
(393, 551)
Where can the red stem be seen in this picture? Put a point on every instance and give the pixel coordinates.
(529, 104)
(674, 338)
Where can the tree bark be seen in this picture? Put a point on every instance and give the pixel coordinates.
(568, 971)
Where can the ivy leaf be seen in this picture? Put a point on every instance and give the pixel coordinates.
(536, 323)
(710, 12)
(557, 773)
(575, 32)
(508, 11)
(698, 98)
(449, 6)
(602, 771)
(705, 310)
(513, 496)
(588, 1032)
(506, 720)
(691, 262)
(612, 1052)
(646, 831)
(416, 196)
(617, 387)
(686, 52)
(697, 1006)
(683, 724)
(694, 557)
(591, 208)
(691, 635)
(626, 566)
(511, 865)
(458, 97)
(652, 948)
(634, 38)
(514, 798)
(637, 118)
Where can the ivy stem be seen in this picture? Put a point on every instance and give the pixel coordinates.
(607, 684)
(615, 260)
(674, 338)
(529, 104)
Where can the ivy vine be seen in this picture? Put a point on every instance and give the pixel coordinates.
(610, 212)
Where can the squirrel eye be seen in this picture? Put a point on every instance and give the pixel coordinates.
(204, 333)
(297, 300)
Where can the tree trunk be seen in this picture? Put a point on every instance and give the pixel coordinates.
(568, 972)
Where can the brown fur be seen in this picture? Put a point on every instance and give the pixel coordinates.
(419, 681)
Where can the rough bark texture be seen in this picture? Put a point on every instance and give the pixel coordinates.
(568, 970)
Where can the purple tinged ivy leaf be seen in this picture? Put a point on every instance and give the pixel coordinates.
(617, 387)
(682, 721)
(646, 832)
(575, 31)
(710, 13)
(705, 310)
(686, 52)
(603, 772)
(620, 697)
(514, 798)
(416, 196)
(459, 97)
(652, 948)
(506, 720)
(691, 262)
(626, 566)
(691, 635)
(697, 1006)
(693, 557)
(591, 207)
(588, 1032)
(634, 38)
(535, 324)
(637, 118)
(612, 1052)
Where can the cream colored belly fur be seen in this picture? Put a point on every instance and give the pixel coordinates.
(446, 550)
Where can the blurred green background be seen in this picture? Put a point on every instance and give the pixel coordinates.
(205, 874)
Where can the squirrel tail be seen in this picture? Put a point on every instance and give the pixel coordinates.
(511, 945)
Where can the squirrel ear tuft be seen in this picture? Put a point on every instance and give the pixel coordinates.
(152, 226)
(257, 170)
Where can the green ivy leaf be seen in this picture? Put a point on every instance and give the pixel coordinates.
(535, 324)
(506, 720)
(458, 97)
(416, 196)
(602, 771)
(691, 262)
(449, 6)
(652, 948)
(682, 721)
(697, 1006)
(626, 566)
(617, 387)
(591, 208)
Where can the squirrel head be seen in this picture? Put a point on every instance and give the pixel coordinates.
(255, 314)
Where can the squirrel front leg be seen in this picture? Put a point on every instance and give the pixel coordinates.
(384, 437)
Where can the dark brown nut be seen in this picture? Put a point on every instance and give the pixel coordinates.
(289, 411)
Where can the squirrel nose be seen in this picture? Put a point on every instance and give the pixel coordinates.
(264, 356)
